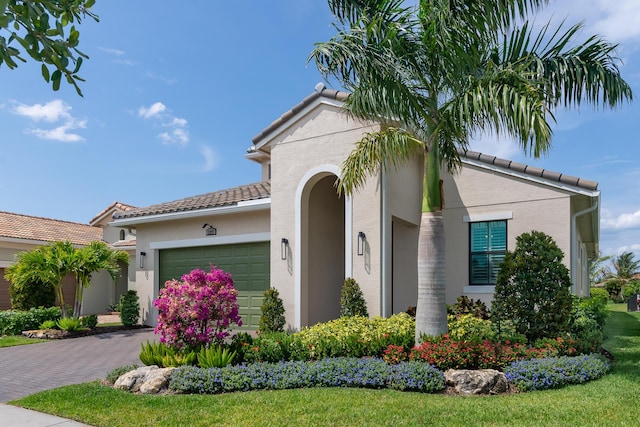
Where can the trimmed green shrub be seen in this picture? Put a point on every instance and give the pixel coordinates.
(129, 308)
(614, 287)
(549, 373)
(532, 288)
(90, 321)
(631, 288)
(32, 295)
(69, 324)
(352, 301)
(358, 336)
(276, 346)
(599, 294)
(116, 373)
(14, 322)
(272, 309)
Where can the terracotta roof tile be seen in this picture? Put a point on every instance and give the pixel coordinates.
(27, 227)
(228, 197)
(531, 170)
(117, 206)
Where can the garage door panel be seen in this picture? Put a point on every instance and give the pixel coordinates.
(248, 264)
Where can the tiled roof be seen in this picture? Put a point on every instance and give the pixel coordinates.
(320, 91)
(27, 227)
(531, 170)
(131, 243)
(216, 199)
(115, 206)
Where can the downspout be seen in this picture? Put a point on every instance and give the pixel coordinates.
(383, 247)
(574, 243)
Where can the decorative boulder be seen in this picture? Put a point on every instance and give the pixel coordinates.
(482, 381)
(145, 380)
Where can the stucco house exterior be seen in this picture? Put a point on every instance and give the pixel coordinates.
(20, 233)
(294, 232)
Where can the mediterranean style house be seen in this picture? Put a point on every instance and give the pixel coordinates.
(21, 233)
(294, 232)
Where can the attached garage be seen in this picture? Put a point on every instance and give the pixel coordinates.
(248, 264)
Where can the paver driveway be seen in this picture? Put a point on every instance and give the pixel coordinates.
(27, 369)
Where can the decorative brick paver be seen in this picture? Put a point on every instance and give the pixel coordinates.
(27, 369)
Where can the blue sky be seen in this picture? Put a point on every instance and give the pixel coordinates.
(176, 90)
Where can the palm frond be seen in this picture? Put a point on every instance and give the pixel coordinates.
(374, 152)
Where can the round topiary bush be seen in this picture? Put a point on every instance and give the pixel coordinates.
(272, 318)
(532, 288)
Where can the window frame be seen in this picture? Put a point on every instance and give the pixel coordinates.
(488, 252)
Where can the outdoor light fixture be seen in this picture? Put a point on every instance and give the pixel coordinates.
(211, 230)
(284, 245)
(143, 255)
(361, 240)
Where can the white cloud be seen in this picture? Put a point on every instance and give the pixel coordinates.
(115, 52)
(178, 134)
(154, 110)
(51, 112)
(210, 158)
(621, 222)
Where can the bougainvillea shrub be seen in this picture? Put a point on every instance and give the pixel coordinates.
(197, 310)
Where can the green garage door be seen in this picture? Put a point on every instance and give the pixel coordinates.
(248, 264)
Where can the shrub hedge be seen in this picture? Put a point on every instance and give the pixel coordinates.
(554, 372)
(334, 372)
(14, 322)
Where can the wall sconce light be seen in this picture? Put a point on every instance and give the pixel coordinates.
(361, 239)
(211, 230)
(143, 255)
(284, 245)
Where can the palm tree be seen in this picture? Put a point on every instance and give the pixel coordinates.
(597, 270)
(626, 265)
(435, 73)
(96, 256)
(46, 264)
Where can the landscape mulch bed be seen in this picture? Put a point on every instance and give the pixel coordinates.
(54, 334)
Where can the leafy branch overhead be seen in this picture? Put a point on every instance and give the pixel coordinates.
(45, 30)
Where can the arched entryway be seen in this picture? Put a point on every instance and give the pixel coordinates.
(323, 250)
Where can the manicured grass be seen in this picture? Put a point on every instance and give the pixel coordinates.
(13, 340)
(608, 401)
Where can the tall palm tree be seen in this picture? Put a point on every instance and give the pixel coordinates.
(434, 74)
(94, 257)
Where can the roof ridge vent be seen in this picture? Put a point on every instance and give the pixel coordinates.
(320, 87)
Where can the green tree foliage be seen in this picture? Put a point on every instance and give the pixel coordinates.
(32, 295)
(532, 288)
(50, 264)
(272, 309)
(434, 73)
(41, 28)
(352, 301)
(94, 257)
(130, 308)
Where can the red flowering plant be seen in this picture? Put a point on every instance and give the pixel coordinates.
(198, 310)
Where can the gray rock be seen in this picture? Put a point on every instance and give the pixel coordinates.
(145, 380)
(482, 381)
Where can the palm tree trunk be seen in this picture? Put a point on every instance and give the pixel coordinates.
(431, 309)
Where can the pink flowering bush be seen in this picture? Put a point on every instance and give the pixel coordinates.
(198, 310)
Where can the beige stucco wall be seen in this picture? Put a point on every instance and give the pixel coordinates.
(476, 191)
(152, 237)
(311, 147)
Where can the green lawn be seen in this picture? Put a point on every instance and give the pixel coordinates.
(13, 340)
(609, 401)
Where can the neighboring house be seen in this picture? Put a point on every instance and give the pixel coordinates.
(294, 232)
(20, 233)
